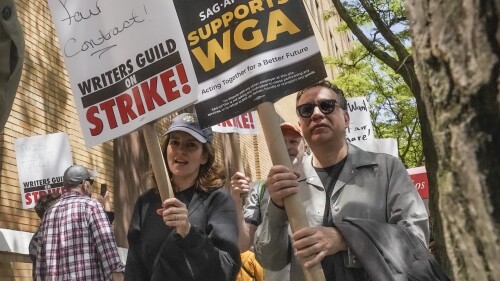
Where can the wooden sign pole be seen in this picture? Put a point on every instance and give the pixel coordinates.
(157, 161)
(236, 152)
(235, 149)
(279, 156)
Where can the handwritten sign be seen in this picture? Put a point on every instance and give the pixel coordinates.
(360, 125)
(127, 63)
(133, 61)
(41, 162)
(246, 53)
(419, 177)
(241, 124)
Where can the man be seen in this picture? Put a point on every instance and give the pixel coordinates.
(339, 180)
(259, 197)
(77, 242)
(11, 57)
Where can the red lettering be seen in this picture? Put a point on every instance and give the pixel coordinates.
(250, 118)
(168, 85)
(151, 94)
(236, 122)
(91, 117)
(244, 121)
(124, 103)
(227, 123)
(36, 195)
(138, 100)
(144, 97)
(181, 72)
(107, 106)
(27, 197)
(33, 197)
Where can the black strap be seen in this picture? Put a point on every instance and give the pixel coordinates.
(248, 271)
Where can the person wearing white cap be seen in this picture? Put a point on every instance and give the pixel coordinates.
(250, 216)
(193, 236)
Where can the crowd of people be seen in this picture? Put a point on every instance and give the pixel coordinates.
(208, 232)
(366, 219)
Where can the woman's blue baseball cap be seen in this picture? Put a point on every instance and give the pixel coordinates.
(188, 122)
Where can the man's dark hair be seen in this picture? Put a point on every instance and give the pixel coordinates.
(325, 83)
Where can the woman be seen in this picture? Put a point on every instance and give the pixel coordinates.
(193, 236)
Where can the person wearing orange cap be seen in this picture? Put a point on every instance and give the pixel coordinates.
(250, 216)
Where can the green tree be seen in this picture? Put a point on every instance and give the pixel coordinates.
(392, 105)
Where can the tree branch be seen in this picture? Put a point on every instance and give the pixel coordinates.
(353, 26)
(385, 31)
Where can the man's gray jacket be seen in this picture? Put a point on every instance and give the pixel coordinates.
(373, 186)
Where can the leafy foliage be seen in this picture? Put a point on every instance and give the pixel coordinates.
(392, 104)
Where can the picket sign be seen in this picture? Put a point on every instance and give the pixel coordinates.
(418, 176)
(279, 156)
(121, 84)
(41, 162)
(241, 124)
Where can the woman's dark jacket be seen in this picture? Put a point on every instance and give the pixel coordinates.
(209, 251)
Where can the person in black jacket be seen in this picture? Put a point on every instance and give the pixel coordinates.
(193, 236)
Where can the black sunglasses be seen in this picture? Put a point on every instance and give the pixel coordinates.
(325, 106)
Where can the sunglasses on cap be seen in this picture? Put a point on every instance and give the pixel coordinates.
(325, 106)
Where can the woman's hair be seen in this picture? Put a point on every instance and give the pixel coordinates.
(211, 176)
(45, 202)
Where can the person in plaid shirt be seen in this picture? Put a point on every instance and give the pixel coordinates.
(77, 242)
